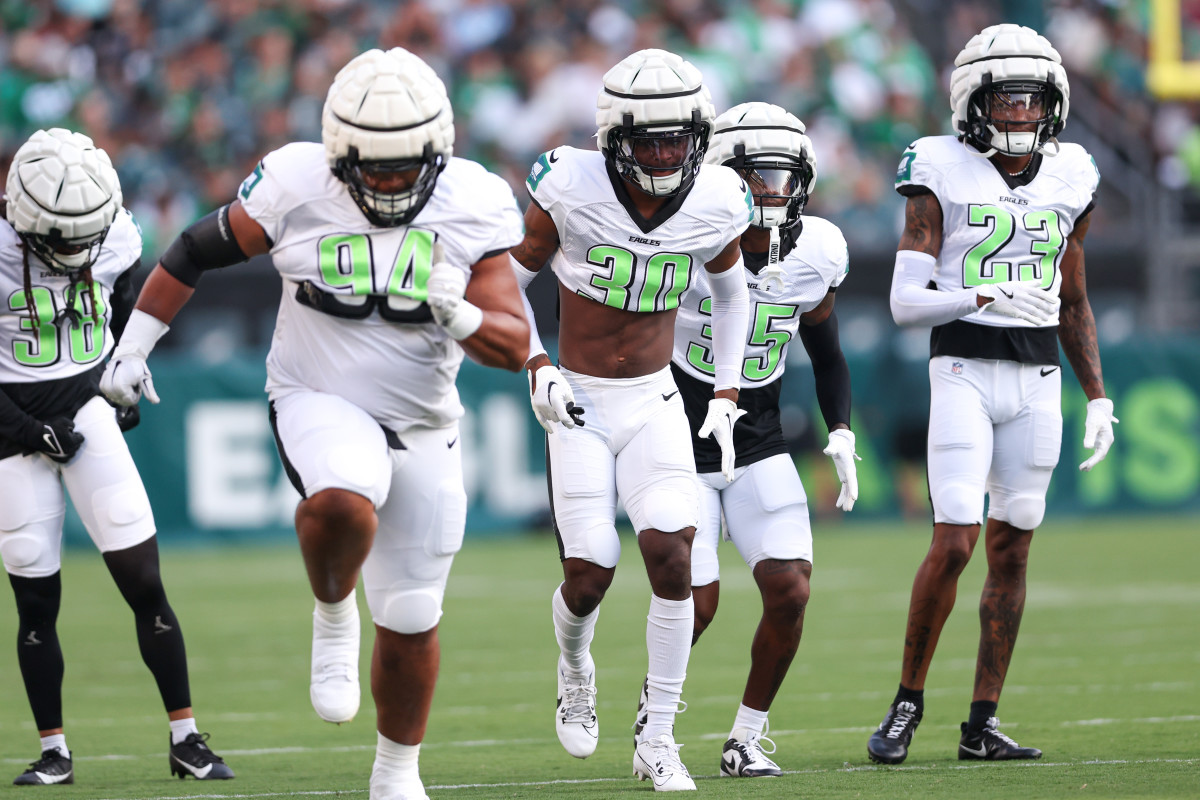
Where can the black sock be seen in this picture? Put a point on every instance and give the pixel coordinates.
(914, 696)
(981, 711)
(38, 652)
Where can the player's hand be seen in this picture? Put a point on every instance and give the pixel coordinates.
(722, 415)
(1021, 300)
(445, 288)
(56, 438)
(841, 450)
(128, 418)
(1098, 431)
(126, 379)
(552, 399)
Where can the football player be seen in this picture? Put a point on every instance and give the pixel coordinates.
(793, 266)
(394, 261)
(992, 258)
(68, 251)
(624, 230)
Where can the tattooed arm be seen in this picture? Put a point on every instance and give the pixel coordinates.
(1076, 325)
(913, 301)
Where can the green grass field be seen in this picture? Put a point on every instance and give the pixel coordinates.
(1105, 678)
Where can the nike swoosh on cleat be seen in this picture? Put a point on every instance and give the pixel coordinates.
(1046, 372)
(669, 396)
(201, 773)
(50, 779)
(981, 752)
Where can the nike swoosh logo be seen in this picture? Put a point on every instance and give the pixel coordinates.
(201, 773)
(53, 778)
(1046, 372)
(981, 752)
(669, 396)
(1006, 294)
(450, 444)
(32, 639)
(553, 157)
(51, 441)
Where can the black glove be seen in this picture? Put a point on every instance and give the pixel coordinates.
(56, 438)
(128, 417)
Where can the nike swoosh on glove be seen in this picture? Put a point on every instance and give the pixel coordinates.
(1023, 300)
(1098, 431)
(722, 415)
(552, 399)
(841, 450)
(126, 379)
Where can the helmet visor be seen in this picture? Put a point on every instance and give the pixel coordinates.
(660, 150)
(773, 186)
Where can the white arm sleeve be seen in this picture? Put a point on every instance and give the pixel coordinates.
(914, 304)
(730, 321)
(524, 278)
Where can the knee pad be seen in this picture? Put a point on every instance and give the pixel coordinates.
(1023, 511)
(958, 504)
(20, 550)
(669, 511)
(705, 565)
(410, 610)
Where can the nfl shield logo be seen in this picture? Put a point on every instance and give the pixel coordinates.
(956, 368)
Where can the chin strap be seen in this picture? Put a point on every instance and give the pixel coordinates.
(773, 274)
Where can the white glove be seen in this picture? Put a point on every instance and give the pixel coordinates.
(552, 399)
(446, 286)
(841, 450)
(1020, 300)
(1098, 431)
(126, 377)
(723, 414)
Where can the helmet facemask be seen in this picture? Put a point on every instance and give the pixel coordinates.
(67, 256)
(641, 151)
(1014, 117)
(390, 209)
(778, 183)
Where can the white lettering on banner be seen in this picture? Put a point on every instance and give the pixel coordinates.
(233, 474)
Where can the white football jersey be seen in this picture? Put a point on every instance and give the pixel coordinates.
(993, 232)
(817, 263)
(57, 348)
(609, 254)
(395, 362)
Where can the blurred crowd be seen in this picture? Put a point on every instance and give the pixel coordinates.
(187, 95)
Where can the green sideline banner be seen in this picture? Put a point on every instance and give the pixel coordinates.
(207, 454)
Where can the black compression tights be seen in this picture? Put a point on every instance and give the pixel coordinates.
(38, 651)
(135, 571)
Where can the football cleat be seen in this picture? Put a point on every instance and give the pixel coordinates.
(640, 720)
(192, 757)
(657, 760)
(334, 688)
(387, 785)
(990, 744)
(575, 716)
(744, 757)
(52, 767)
(889, 744)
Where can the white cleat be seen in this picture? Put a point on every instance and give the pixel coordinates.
(657, 759)
(334, 689)
(575, 716)
(744, 756)
(382, 789)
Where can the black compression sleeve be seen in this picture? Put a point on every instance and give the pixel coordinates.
(830, 371)
(208, 243)
(122, 300)
(15, 424)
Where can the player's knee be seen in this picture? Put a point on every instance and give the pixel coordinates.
(785, 595)
(122, 506)
(20, 550)
(336, 509)
(38, 600)
(601, 544)
(705, 566)
(1025, 512)
(412, 610)
(958, 504)
(949, 554)
(669, 511)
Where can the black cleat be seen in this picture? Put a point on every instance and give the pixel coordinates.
(52, 767)
(990, 744)
(192, 757)
(889, 744)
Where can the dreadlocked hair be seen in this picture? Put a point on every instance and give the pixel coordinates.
(30, 306)
(84, 275)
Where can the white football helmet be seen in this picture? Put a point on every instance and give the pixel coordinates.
(654, 115)
(767, 146)
(387, 112)
(63, 195)
(1009, 66)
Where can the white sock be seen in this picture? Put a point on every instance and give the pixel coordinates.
(56, 741)
(336, 615)
(182, 728)
(574, 635)
(668, 644)
(395, 762)
(751, 720)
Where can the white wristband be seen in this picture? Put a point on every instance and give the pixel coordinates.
(141, 333)
(467, 319)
